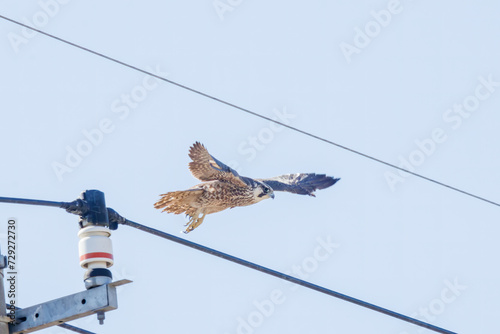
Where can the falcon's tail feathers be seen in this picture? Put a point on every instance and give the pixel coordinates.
(178, 201)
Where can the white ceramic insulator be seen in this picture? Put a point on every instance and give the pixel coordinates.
(95, 248)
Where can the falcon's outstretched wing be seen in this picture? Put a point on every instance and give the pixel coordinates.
(300, 183)
(207, 168)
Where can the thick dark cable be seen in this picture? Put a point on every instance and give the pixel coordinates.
(283, 276)
(32, 202)
(75, 329)
(77, 207)
(116, 218)
(252, 112)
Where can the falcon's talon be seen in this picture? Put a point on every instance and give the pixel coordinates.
(223, 188)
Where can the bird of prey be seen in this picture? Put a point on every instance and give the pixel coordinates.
(224, 188)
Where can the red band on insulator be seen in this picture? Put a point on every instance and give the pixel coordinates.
(96, 255)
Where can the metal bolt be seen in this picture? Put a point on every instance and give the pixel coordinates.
(100, 317)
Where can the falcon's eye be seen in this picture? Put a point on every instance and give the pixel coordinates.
(266, 190)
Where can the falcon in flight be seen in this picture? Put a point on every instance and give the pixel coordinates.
(224, 188)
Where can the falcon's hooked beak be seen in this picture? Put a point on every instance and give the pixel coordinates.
(271, 195)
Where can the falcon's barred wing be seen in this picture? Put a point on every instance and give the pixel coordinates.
(300, 183)
(207, 168)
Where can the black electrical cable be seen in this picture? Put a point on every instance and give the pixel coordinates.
(77, 207)
(253, 113)
(75, 329)
(32, 202)
(278, 274)
(81, 207)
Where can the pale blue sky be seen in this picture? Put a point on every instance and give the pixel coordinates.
(412, 82)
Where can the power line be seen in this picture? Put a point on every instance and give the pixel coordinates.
(81, 208)
(31, 202)
(77, 207)
(75, 329)
(253, 113)
(283, 276)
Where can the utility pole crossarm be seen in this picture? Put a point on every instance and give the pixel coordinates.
(100, 299)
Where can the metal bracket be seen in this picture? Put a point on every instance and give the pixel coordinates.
(55, 312)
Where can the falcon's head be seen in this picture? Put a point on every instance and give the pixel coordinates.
(262, 191)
